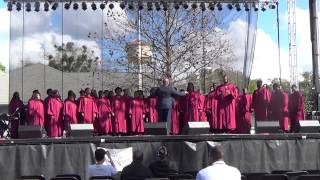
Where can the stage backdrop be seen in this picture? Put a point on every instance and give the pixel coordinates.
(247, 155)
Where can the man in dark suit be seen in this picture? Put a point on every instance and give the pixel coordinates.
(166, 94)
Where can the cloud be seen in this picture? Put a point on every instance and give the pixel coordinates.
(4, 37)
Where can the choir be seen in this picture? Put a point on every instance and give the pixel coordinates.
(224, 107)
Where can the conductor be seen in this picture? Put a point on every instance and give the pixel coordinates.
(166, 94)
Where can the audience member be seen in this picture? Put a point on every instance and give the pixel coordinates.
(163, 167)
(218, 169)
(99, 168)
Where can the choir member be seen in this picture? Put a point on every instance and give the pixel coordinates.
(36, 110)
(127, 96)
(119, 113)
(211, 108)
(151, 107)
(70, 111)
(100, 94)
(244, 112)
(15, 106)
(176, 116)
(54, 124)
(104, 123)
(192, 104)
(279, 107)
(296, 108)
(226, 96)
(203, 115)
(137, 113)
(260, 102)
(87, 108)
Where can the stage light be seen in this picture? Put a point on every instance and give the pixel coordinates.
(46, 6)
(230, 6)
(28, 7)
(18, 6)
(238, 7)
(158, 8)
(140, 6)
(111, 6)
(55, 6)
(255, 6)
(185, 6)
(203, 6)
(84, 6)
(93, 6)
(102, 6)
(246, 7)
(130, 6)
(122, 5)
(165, 6)
(149, 6)
(67, 6)
(272, 5)
(37, 6)
(9, 6)
(263, 7)
(219, 5)
(211, 6)
(75, 6)
(194, 6)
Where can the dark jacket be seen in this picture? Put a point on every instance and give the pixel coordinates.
(135, 170)
(166, 97)
(163, 168)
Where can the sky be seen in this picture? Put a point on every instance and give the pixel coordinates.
(265, 65)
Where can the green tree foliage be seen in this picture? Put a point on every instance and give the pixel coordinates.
(73, 58)
(2, 67)
(252, 85)
(310, 96)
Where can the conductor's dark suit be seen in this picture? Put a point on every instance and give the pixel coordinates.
(165, 103)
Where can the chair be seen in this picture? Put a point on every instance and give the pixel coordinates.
(101, 177)
(275, 177)
(64, 178)
(254, 176)
(180, 176)
(69, 175)
(33, 177)
(309, 177)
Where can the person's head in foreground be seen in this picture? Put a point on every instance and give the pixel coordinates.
(137, 156)
(99, 155)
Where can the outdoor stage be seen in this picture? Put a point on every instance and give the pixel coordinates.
(250, 153)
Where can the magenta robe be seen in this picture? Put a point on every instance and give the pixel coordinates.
(136, 111)
(69, 114)
(151, 109)
(244, 112)
(192, 106)
(279, 109)
(176, 123)
(260, 103)
(226, 106)
(87, 106)
(119, 110)
(54, 124)
(203, 115)
(35, 112)
(211, 108)
(13, 106)
(296, 109)
(104, 123)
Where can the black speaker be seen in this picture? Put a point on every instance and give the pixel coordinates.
(159, 128)
(196, 128)
(309, 126)
(81, 130)
(268, 127)
(31, 131)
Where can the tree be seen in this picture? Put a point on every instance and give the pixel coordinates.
(310, 96)
(182, 41)
(73, 58)
(2, 67)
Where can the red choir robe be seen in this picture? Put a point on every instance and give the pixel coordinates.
(45, 103)
(87, 106)
(127, 100)
(296, 109)
(226, 95)
(54, 124)
(119, 118)
(203, 115)
(192, 107)
(244, 112)
(104, 123)
(279, 109)
(13, 106)
(69, 114)
(136, 112)
(211, 107)
(35, 112)
(260, 103)
(176, 120)
(151, 109)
